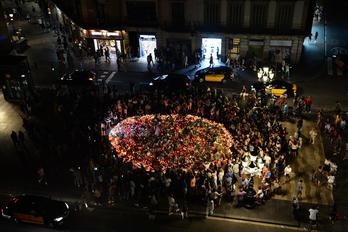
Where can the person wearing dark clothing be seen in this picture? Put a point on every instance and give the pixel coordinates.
(14, 138)
(21, 137)
(299, 127)
(107, 55)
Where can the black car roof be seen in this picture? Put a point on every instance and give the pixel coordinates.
(280, 82)
(222, 67)
(52, 208)
(38, 199)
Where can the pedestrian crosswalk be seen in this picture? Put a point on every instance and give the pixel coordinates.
(332, 68)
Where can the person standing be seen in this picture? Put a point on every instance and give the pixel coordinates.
(299, 127)
(296, 210)
(211, 61)
(316, 36)
(312, 135)
(313, 217)
(153, 207)
(185, 61)
(346, 152)
(173, 206)
(14, 138)
(299, 188)
(21, 138)
(228, 62)
(287, 172)
(210, 207)
(338, 107)
(149, 62)
(308, 103)
(107, 55)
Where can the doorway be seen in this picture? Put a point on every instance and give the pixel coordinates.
(147, 45)
(113, 45)
(211, 46)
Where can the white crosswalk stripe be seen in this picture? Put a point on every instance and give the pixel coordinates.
(110, 77)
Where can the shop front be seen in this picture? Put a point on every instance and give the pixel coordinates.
(211, 47)
(233, 48)
(147, 45)
(280, 50)
(255, 49)
(180, 46)
(113, 40)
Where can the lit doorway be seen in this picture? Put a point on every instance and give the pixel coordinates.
(113, 45)
(147, 45)
(211, 46)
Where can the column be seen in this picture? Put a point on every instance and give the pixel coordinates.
(247, 13)
(298, 21)
(223, 12)
(272, 7)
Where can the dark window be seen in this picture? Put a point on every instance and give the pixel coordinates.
(259, 15)
(178, 12)
(284, 15)
(211, 11)
(235, 13)
(141, 11)
(101, 13)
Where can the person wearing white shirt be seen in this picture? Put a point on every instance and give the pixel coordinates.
(287, 172)
(330, 181)
(267, 159)
(313, 216)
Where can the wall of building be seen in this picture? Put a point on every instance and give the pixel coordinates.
(116, 16)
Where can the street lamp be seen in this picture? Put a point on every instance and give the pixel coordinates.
(265, 74)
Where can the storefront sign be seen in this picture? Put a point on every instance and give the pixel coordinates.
(105, 33)
(96, 33)
(280, 43)
(256, 42)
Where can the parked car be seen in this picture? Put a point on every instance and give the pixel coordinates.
(214, 74)
(276, 88)
(171, 82)
(79, 77)
(36, 210)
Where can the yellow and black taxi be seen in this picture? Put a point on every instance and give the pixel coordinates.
(36, 210)
(214, 74)
(276, 88)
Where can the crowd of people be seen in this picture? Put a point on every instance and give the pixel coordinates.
(261, 150)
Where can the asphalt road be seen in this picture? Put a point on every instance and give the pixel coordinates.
(114, 220)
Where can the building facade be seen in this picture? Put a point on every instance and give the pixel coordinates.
(222, 28)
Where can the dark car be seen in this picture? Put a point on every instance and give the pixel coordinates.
(171, 82)
(79, 77)
(276, 88)
(214, 74)
(36, 210)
